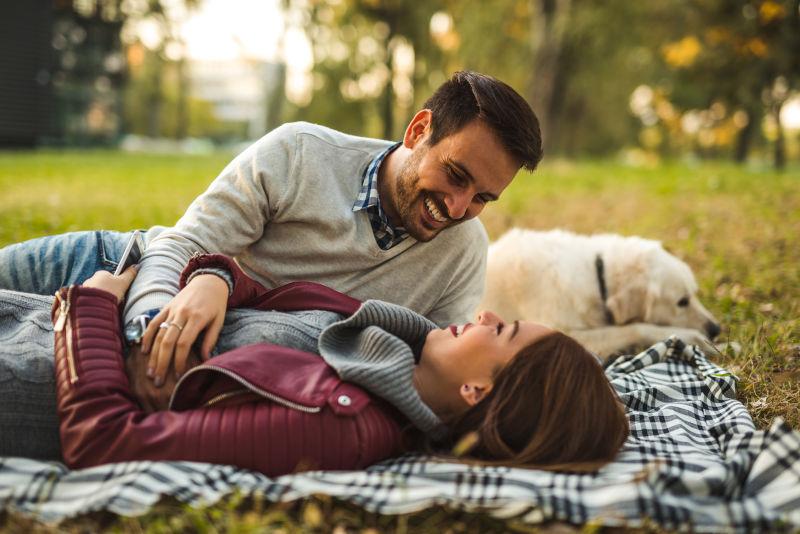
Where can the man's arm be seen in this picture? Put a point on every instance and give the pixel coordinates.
(227, 218)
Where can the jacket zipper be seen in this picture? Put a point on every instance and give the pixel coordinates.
(224, 396)
(266, 394)
(63, 322)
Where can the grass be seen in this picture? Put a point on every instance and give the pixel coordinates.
(738, 227)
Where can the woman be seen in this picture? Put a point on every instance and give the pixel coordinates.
(519, 393)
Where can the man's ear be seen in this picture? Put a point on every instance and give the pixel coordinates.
(418, 129)
(474, 393)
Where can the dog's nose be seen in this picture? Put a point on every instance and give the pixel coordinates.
(713, 329)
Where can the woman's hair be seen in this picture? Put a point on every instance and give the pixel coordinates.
(551, 407)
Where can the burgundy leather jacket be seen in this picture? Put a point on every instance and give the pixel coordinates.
(264, 407)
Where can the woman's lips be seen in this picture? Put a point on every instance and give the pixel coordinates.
(457, 330)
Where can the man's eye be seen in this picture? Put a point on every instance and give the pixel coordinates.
(499, 328)
(455, 178)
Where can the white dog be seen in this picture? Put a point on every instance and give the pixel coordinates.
(610, 292)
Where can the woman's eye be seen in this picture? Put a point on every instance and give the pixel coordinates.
(499, 328)
(683, 302)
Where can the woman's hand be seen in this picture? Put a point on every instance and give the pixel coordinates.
(116, 285)
(150, 397)
(200, 306)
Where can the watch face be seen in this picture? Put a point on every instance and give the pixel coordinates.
(134, 331)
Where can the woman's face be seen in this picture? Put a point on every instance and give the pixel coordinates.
(480, 350)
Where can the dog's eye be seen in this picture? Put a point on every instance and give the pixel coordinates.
(683, 302)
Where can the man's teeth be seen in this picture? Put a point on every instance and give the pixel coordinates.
(435, 213)
(459, 329)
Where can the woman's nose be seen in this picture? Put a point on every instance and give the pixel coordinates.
(488, 318)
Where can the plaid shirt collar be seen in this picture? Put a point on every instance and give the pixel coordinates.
(386, 234)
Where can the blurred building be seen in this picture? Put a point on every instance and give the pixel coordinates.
(240, 91)
(87, 77)
(61, 73)
(25, 72)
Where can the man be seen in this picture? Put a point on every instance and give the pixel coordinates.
(369, 218)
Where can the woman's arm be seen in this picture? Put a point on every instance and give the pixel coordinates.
(101, 421)
(247, 293)
(244, 291)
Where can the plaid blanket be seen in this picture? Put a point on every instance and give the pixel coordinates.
(693, 460)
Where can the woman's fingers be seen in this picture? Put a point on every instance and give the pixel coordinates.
(128, 275)
(152, 330)
(116, 285)
(197, 307)
(173, 345)
(183, 345)
(211, 336)
(162, 352)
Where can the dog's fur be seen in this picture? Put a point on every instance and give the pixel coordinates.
(551, 278)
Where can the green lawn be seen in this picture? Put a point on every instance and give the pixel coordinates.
(739, 229)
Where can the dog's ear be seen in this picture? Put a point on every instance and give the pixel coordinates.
(628, 304)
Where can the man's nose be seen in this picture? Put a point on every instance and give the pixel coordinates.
(457, 204)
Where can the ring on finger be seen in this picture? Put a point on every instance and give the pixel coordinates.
(176, 325)
(165, 325)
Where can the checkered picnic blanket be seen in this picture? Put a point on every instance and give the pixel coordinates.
(693, 460)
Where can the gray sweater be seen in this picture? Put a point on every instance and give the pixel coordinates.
(375, 348)
(284, 210)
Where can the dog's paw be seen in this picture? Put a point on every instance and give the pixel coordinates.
(691, 336)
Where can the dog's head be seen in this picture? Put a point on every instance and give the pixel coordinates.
(651, 285)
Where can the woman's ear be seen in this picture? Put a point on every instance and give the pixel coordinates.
(474, 393)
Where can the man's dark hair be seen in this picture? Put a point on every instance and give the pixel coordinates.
(467, 96)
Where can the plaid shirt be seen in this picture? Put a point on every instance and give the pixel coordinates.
(386, 235)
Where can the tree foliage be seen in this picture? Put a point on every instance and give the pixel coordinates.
(577, 61)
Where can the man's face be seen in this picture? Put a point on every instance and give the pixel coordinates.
(451, 182)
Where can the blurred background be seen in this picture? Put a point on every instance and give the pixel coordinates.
(676, 120)
(641, 81)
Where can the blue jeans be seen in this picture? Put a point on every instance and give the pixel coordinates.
(28, 420)
(44, 264)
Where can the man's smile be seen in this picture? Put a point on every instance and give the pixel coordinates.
(434, 212)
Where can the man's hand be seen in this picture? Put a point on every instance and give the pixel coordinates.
(150, 397)
(116, 285)
(200, 306)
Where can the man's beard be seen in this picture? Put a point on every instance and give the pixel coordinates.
(407, 193)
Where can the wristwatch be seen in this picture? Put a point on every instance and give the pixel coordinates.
(134, 330)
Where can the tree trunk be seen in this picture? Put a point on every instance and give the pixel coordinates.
(155, 97)
(276, 94)
(744, 139)
(387, 103)
(549, 24)
(780, 142)
(182, 105)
